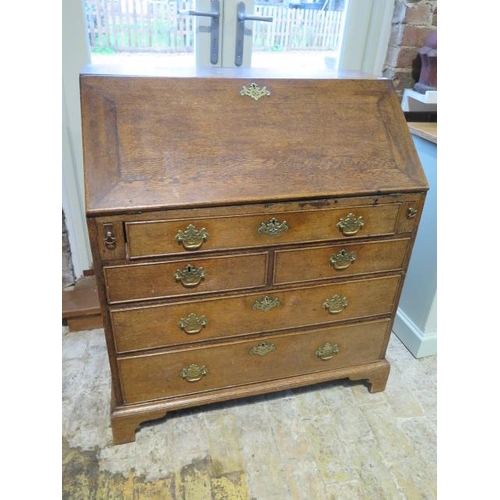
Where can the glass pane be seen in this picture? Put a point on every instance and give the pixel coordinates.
(303, 34)
(145, 32)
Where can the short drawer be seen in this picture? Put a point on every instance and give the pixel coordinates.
(183, 372)
(164, 237)
(180, 277)
(186, 322)
(347, 259)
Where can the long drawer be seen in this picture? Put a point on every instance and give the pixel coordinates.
(166, 237)
(188, 371)
(127, 283)
(331, 261)
(184, 322)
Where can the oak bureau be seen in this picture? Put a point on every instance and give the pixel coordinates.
(250, 231)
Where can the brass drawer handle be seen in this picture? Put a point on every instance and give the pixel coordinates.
(342, 260)
(193, 373)
(192, 324)
(263, 348)
(411, 213)
(190, 276)
(273, 228)
(192, 238)
(266, 304)
(110, 240)
(327, 351)
(350, 225)
(336, 304)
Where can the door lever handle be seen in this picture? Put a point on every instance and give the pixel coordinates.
(202, 13)
(241, 17)
(214, 14)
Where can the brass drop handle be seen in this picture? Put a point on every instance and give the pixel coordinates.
(190, 276)
(192, 238)
(192, 324)
(350, 225)
(327, 351)
(411, 213)
(336, 304)
(342, 260)
(110, 240)
(193, 373)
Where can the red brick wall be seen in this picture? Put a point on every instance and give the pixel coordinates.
(68, 276)
(412, 23)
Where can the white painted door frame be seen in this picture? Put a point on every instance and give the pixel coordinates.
(367, 31)
(75, 54)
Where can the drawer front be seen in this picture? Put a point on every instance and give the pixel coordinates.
(157, 238)
(189, 371)
(197, 276)
(180, 323)
(348, 259)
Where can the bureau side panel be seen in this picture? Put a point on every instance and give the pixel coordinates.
(94, 235)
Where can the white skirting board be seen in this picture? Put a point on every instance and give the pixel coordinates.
(419, 343)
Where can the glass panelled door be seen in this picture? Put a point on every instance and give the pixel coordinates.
(268, 33)
(218, 33)
(224, 32)
(304, 34)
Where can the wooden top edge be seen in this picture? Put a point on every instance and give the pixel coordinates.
(425, 130)
(146, 71)
(103, 209)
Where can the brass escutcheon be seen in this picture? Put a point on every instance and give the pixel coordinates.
(192, 238)
(109, 240)
(193, 373)
(266, 304)
(336, 304)
(342, 260)
(411, 213)
(327, 351)
(263, 348)
(254, 91)
(190, 276)
(192, 324)
(273, 227)
(350, 225)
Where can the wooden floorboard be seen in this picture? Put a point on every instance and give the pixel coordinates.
(80, 305)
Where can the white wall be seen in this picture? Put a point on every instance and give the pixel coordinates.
(416, 320)
(75, 54)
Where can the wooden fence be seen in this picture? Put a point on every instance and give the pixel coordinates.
(294, 29)
(156, 26)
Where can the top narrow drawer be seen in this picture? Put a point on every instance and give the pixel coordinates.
(163, 237)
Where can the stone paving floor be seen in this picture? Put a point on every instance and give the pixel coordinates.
(326, 442)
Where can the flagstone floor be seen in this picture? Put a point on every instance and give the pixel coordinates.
(326, 442)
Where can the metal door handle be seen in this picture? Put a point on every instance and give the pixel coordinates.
(202, 13)
(214, 14)
(241, 17)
